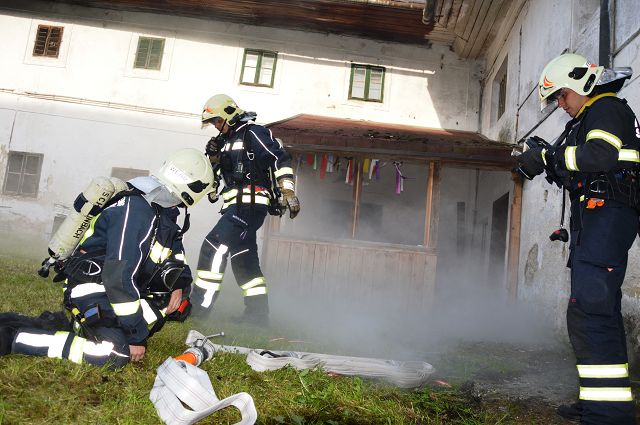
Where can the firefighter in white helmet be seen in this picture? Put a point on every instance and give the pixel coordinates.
(596, 160)
(258, 180)
(126, 275)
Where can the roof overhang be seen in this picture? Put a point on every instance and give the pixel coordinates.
(317, 134)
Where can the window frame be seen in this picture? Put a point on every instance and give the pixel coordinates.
(45, 49)
(256, 77)
(22, 173)
(146, 67)
(367, 82)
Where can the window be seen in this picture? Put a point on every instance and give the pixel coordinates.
(499, 92)
(126, 174)
(258, 68)
(23, 173)
(367, 83)
(47, 42)
(149, 53)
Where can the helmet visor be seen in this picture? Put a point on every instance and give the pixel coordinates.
(549, 103)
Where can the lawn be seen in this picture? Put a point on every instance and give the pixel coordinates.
(40, 390)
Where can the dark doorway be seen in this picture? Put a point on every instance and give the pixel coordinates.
(498, 246)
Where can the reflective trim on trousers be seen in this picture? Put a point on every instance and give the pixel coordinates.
(254, 282)
(605, 394)
(84, 289)
(260, 290)
(603, 371)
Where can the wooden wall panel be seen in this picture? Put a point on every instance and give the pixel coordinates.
(404, 279)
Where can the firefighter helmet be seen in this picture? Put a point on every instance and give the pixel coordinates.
(187, 174)
(571, 71)
(221, 106)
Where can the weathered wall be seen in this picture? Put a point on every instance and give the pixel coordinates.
(543, 30)
(86, 134)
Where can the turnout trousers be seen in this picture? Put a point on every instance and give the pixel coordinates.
(51, 335)
(598, 262)
(233, 237)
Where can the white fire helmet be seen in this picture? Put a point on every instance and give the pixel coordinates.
(188, 175)
(221, 106)
(571, 71)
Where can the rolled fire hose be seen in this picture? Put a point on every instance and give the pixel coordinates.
(409, 374)
(179, 383)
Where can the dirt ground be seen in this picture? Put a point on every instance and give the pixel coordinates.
(530, 382)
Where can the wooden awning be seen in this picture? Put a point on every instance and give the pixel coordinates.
(312, 133)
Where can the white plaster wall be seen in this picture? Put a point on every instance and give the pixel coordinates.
(84, 136)
(542, 31)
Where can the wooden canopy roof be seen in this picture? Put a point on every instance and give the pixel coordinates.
(313, 133)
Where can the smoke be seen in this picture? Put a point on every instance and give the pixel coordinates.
(366, 302)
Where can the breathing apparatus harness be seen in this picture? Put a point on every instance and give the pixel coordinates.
(619, 184)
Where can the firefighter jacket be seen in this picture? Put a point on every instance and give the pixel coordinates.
(250, 156)
(601, 152)
(122, 256)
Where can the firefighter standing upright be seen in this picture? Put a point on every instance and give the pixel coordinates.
(258, 179)
(597, 163)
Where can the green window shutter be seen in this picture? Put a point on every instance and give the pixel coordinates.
(258, 68)
(149, 53)
(376, 84)
(367, 83)
(358, 82)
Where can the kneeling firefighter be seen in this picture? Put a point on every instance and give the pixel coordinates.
(596, 160)
(258, 180)
(125, 276)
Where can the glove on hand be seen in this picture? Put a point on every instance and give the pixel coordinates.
(532, 162)
(292, 202)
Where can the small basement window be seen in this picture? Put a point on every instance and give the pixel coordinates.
(23, 173)
(48, 39)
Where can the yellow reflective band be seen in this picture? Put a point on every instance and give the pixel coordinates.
(282, 171)
(126, 309)
(630, 155)
(612, 139)
(605, 394)
(603, 371)
(147, 312)
(230, 194)
(261, 290)
(246, 199)
(90, 230)
(581, 198)
(237, 146)
(570, 158)
(159, 253)
(205, 274)
(103, 349)
(180, 257)
(77, 349)
(253, 282)
(206, 285)
(544, 157)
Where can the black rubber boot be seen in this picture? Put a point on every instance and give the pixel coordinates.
(572, 412)
(7, 334)
(256, 311)
(47, 321)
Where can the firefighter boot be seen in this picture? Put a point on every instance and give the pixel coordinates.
(7, 335)
(572, 412)
(256, 311)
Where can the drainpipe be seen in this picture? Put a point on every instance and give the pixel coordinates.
(604, 50)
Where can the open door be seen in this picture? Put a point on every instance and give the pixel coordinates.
(498, 242)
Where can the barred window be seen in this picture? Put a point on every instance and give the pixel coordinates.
(367, 83)
(149, 53)
(23, 173)
(258, 68)
(48, 39)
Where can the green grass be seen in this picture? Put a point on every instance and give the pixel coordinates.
(41, 390)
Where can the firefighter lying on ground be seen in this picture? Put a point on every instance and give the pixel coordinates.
(126, 275)
(258, 179)
(596, 160)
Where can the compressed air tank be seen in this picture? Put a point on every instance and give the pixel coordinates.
(86, 206)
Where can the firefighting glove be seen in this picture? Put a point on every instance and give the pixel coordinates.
(532, 162)
(213, 195)
(290, 200)
(212, 150)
